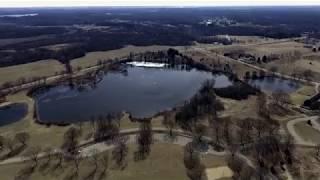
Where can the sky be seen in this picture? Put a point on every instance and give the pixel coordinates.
(61, 3)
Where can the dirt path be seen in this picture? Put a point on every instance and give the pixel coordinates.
(299, 140)
(88, 149)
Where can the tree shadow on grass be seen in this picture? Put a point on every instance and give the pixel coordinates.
(13, 153)
(25, 173)
(73, 175)
(90, 175)
(102, 175)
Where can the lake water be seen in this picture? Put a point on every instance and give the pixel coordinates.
(12, 113)
(273, 84)
(141, 91)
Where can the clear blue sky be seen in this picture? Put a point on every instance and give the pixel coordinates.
(47, 3)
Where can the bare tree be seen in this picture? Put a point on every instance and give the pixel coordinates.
(49, 154)
(104, 161)
(281, 98)
(76, 162)
(273, 69)
(144, 140)
(120, 152)
(318, 150)
(169, 122)
(192, 163)
(308, 74)
(260, 126)
(198, 132)
(236, 164)
(2, 143)
(22, 137)
(106, 129)
(245, 132)
(71, 140)
(10, 144)
(226, 131)
(261, 103)
(33, 155)
(94, 158)
(60, 157)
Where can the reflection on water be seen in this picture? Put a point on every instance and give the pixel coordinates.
(140, 91)
(272, 84)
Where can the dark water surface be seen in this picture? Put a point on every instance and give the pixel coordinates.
(273, 84)
(12, 113)
(143, 92)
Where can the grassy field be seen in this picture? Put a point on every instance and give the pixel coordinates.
(302, 94)
(251, 39)
(209, 56)
(307, 164)
(92, 58)
(307, 132)
(164, 162)
(30, 70)
(50, 66)
(240, 109)
(4, 42)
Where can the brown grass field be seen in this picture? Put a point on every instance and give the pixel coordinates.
(36, 69)
(91, 59)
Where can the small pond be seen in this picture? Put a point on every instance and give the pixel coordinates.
(273, 84)
(12, 113)
(141, 91)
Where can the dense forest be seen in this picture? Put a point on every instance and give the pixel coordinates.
(99, 29)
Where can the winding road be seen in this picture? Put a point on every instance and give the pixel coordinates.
(299, 140)
(89, 148)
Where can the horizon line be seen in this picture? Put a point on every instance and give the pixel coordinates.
(164, 6)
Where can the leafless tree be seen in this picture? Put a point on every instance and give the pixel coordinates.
(261, 103)
(106, 129)
(169, 122)
(226, 131)
(236, 164)
(144, 140)
(308, 74)
(10, 144)
(318, 150)
(273, 69)
(2, 143)
(33, 155)
(281, 98)
(22, 137)
(198, 132)
(48, 154)
(94, 158)
(71, 140)
(260, 126)
(60, 157)
(245, 132)
(76, 162)
(120, 152)
(192, 162)
(104, 161)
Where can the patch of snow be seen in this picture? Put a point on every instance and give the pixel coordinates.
(147, 64)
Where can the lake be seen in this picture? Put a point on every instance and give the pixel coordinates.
(12, 113)
(273, 84)
(141, 91)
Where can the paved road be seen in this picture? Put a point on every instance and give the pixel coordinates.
(299, 140)
(88, 148)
